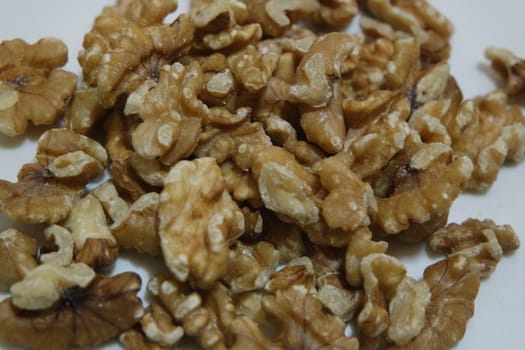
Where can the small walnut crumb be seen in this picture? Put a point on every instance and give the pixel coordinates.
(481, 242)
(32, 87)
(196, 246)
(453, 288)
(84, 317)
(17, 256)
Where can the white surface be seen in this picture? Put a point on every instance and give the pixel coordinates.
(498, 318)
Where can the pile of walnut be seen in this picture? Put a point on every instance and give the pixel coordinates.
(265, 163)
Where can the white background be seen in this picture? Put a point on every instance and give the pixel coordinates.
(498, 319)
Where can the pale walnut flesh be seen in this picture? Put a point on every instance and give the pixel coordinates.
(17, 256)
(453, 288)
(481, 242)
(510, 68)
(84, 317)
(198, 221)
(32, 87)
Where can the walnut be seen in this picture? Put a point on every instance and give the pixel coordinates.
(285, 186)
(503, 136)
(374, 145)
(407, 310)
(187, 307)
(84, 317)
(17, 256)
(196, 246)
(297, 272)
(213, 16)
(510, 68)
(335, 13)
(120, 150)
(295, 310)
(240, 143)
(453, 288)
(136, 225)
(287, 238)
(63, 239)
(481, 242)
(360, 246)
(332, 290)
(241, 184)
(276, 16)
(418, 18)
(250, 266)
(323, 60)
(94, 243)
(32, 87)
(171, 114)
(71, 156)
(349, 201)
(423, 183)
(382, 275)
(120, 52)
(45, 284)
(159, 327)
(141, 11)
(46, 189)
(135, 339)
(248, 335)
(253, 68)
(84, 110)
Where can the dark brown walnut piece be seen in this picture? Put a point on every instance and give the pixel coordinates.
(453, 288)
(32, 87)
(84, 317)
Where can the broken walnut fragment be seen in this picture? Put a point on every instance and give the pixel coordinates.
(83, 316)
(17, 256)
(482, 242)
(510, 68)
(32, 87)
(198, 221)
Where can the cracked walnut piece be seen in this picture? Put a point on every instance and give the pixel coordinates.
(511, 69)
(32, 88)
(198, 221)
(84, 317)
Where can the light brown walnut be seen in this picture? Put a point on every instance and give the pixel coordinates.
(304, 323)
(510, 68)
(382, 274)
(360, 246)
(63, 240)
(83, 112)
(332, 289)
(253, 68)
(95, 245)
(419, 19)
(84, 317)
(419, 185)
(407, 310)
(482, 242)
(250, 266)
(143, 12)
(46, 189)
(121, 52)
(33, 88)
(276, 16)
(133, 225)
(298, 272)
(286, 187)
(453, 288)
(241, 184)
(286, 237)
(171, 114)
(490, 134)
(120, 150)
(18, 252)
(134, 339)
(198, 221)
(336, 13)
(159, 326)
